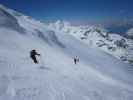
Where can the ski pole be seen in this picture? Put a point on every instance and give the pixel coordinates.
(41, 60)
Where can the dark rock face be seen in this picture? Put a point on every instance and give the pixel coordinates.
(121, 43)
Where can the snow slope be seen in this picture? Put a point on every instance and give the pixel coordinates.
(98, 75)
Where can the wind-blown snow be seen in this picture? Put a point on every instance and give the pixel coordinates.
(98, 75)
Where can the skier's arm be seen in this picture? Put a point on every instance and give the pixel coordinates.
(37, 54)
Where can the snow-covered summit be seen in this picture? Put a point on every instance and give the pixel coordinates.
(130, 33)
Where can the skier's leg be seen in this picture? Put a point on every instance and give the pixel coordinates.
(35, 60)
(75, 61)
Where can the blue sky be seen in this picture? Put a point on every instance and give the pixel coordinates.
(76, 11)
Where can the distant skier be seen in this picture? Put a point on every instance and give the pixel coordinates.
(33, 54)
(76, 59)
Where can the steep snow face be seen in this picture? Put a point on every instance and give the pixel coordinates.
(26, 25)
(7, 20)
(98, 76)
(93, 36)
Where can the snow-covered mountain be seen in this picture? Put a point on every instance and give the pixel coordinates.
(94, 36)
(130, 33)
(97, 76)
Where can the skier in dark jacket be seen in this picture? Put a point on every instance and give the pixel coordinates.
(76, 59)
(33, 54)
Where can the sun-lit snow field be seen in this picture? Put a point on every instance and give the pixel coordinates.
(98, 75)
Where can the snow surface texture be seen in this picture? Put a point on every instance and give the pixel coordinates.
(98, 75)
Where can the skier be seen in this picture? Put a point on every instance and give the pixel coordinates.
(33, 54)
(76, 59)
